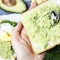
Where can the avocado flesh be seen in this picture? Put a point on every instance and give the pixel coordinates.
(6, 49)
(18, 8)
(40, 27)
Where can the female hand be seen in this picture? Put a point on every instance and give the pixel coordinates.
(22, 45)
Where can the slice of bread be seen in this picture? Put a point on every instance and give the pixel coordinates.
(42, 30)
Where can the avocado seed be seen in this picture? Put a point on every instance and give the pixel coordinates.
(9, 2)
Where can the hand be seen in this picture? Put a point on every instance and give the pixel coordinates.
(22, 45)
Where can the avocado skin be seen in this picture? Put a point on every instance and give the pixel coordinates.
(20, 7)
(40, 27)
(10, 22)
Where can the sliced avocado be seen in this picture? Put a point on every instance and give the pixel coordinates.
(43, 25)
(17, 6)
(10, 22)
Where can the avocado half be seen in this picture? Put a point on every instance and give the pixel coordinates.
(6, 49)
(42, 24)
(19, 6)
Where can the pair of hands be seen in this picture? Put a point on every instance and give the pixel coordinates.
(21, 43)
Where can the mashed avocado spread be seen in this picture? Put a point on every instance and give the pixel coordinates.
(6, 50)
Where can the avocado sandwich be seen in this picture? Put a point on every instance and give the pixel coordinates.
(17, 6)
(6, 49)
(42, 24)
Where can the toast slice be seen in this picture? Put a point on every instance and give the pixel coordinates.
(43, 26)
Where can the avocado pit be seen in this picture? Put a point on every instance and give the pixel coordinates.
(9, 2)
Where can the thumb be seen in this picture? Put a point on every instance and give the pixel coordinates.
(33, 5)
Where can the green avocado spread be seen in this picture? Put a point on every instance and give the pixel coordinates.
(6, 49)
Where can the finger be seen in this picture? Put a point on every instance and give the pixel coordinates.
(21, 49)
(16, 34)
(24, 35)
(19, 27)
(17, 31)
(34, 4)
(26, 38)
(16, 42)
(16, 39)
(41, 56)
